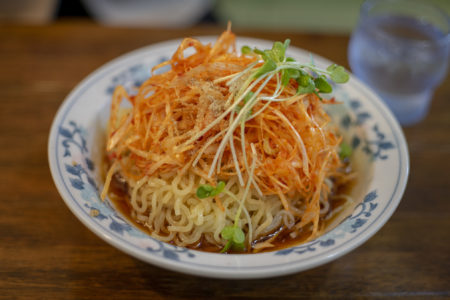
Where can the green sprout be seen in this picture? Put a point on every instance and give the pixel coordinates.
(235, 238)
(345, 150)
(234, 235)
(310, 78)
(206, 190)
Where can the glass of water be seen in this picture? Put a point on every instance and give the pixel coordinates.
(400, 48)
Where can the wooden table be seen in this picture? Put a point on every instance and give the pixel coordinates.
(45, 252)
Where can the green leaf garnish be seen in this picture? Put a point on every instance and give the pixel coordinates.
(311, 79)
(238, 236)
(262, 53)
(287, 74)
(305, 84)
(267, 67)
(287, 42)
(219, 188)
(290, 59)
(345, 150)
(204, 191)
(227, 232)
(207, 190)
(235, 238)
(304, 79)
(338, 74)
(322, 85)
(278, 51)
(246, 50)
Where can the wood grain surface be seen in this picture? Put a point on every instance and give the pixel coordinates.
(46, 253)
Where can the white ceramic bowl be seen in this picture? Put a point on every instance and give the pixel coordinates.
(380, 153)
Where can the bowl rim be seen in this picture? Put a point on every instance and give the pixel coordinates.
(236, 271)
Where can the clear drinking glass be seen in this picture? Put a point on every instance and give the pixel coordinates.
(400, 48)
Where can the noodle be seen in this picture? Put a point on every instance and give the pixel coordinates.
(172, 212)
(219, 143)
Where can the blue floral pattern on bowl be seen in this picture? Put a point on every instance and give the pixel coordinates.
(81, 176)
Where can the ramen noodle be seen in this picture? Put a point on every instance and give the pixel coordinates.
(228, 152)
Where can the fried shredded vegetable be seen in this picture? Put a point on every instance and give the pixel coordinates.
(257, 116)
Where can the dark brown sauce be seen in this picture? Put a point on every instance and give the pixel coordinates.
(119, 196)
(336, 201)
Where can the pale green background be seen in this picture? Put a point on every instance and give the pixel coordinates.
(331, 16)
